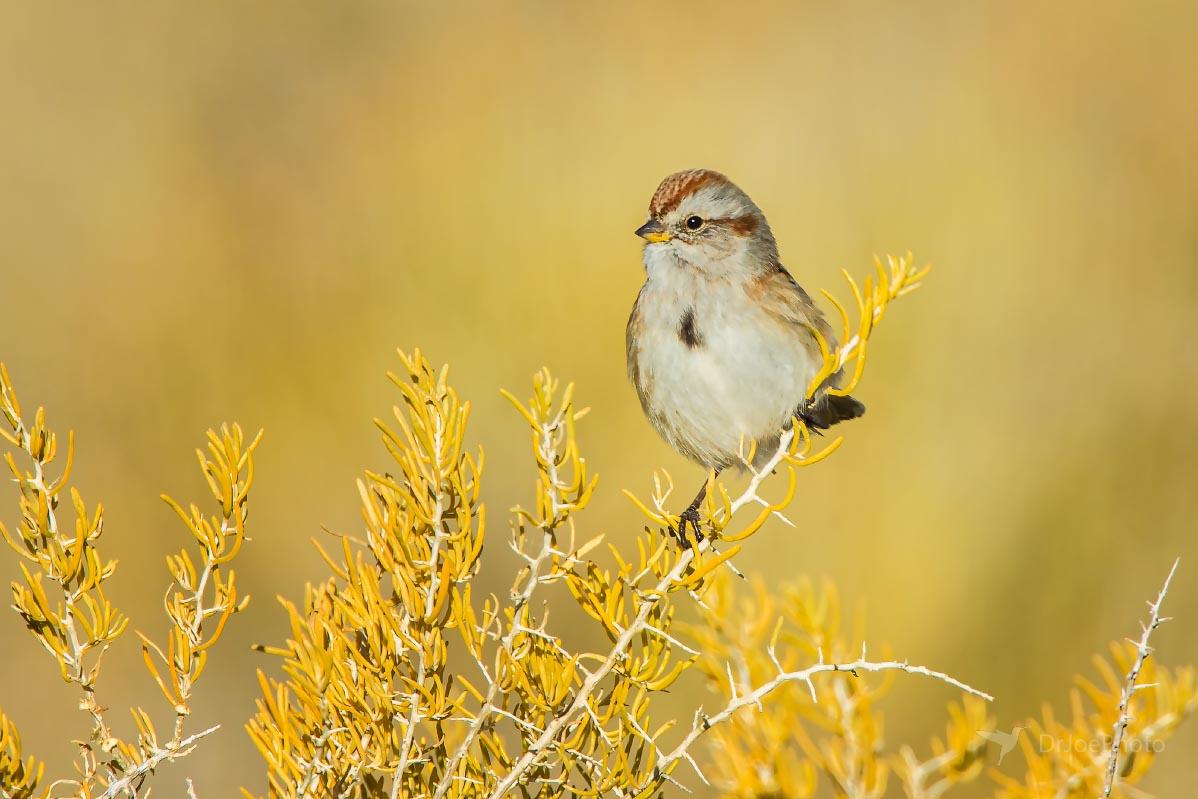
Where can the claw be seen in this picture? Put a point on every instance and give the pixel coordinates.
(689, 517)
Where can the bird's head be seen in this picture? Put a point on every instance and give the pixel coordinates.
(701, 219)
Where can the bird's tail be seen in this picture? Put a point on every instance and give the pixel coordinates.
(830, 409)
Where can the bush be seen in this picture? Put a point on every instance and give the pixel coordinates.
(371, 700)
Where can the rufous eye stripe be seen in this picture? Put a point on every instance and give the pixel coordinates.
(740, 225)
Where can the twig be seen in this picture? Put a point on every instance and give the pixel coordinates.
(753, 698)
(172, 751)
(1129, 686)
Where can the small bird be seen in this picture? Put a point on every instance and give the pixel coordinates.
(720, 342)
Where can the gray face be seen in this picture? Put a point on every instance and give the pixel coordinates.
(715, 228)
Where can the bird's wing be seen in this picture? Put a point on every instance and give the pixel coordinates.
(633, 332)
(780, 295)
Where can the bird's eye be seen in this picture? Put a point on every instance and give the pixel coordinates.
(694, 222)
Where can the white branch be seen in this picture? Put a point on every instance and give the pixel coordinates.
(704, 723)
(173, 750)
(1129, 686)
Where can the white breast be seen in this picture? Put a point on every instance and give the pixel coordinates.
(743, 379)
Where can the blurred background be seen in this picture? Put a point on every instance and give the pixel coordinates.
(238, 211)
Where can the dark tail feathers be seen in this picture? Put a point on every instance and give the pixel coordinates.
(830, 409)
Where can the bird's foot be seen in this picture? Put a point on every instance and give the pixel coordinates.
(689, 518)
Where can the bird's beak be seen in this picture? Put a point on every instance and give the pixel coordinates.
(653, 232)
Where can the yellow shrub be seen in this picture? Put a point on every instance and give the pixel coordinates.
(367, 703)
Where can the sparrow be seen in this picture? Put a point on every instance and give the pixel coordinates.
(719, 343)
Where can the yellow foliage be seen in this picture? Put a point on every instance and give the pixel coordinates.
(1069, 758)
(833, 731)
(18, 779)
(394, 679)
(806, 730)
(62, 602)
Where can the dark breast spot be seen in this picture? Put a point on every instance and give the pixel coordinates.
(688, 330)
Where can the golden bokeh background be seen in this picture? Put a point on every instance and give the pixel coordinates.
(237, 211)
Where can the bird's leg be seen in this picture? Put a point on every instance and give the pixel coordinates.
(690, 516)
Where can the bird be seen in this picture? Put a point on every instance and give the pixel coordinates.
(720, 341)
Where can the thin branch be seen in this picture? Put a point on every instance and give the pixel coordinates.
(753, 698)
(170, 752)
(1129, 686)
